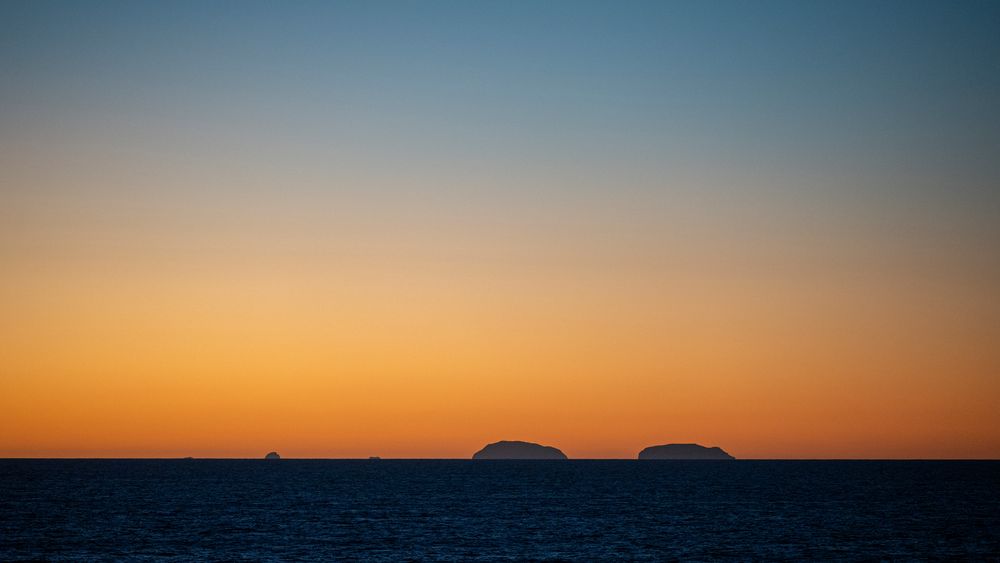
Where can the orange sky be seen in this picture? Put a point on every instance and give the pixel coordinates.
(253, 333)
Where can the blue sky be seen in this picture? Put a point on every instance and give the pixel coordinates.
(840, 84)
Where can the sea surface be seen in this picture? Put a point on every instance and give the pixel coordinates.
(85, 510)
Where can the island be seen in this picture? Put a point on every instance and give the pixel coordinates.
(513, 449)
(684, 451)
(272, 456)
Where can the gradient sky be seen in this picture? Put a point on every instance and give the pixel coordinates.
(410, 228)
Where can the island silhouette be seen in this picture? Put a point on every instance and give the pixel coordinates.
(515, 449)
(684, 451)
(518, 449)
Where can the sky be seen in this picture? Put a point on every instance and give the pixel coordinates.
(408, 229)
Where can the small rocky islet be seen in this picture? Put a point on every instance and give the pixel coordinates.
(684, 452)
(516, 449)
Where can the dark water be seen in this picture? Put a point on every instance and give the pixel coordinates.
(292, 509)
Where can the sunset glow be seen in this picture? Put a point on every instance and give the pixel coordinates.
(411, 235)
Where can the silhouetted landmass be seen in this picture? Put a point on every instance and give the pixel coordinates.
(683, 451)
(272, 456)
(518, 450)
(374, 458)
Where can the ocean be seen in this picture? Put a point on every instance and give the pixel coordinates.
(88, 510)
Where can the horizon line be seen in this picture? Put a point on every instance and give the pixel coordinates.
(379, 458)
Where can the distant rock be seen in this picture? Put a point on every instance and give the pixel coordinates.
(518, 450)
(683, 451)
(374, 458)
(272, 456)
